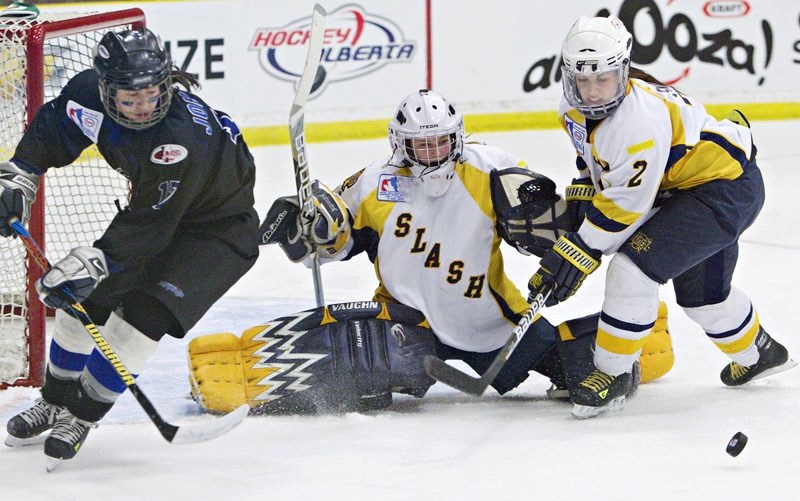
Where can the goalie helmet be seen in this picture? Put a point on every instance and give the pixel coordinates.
(134, 60)
(427, 135)
(596, 60)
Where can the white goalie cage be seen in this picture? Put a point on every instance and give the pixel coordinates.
(75, 203)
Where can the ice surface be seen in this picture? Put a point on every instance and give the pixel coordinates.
(668, 443)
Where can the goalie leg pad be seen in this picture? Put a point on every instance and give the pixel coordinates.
(657, 357)
(337, 358)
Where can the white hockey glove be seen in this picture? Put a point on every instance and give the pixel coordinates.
(17, 193)
(73, 278)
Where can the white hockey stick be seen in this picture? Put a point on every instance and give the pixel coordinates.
(298, 140)
(172, 433)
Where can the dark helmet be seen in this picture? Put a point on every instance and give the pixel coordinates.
(133, 60)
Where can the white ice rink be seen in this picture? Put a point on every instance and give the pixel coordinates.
(667, 444)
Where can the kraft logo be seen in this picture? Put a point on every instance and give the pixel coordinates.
(726, 8)
(168, 154)
(355, 43)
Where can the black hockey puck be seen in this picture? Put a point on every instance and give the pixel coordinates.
(736, 444)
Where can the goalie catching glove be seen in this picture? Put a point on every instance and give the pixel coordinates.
(73, 278)
(530, 214)
(565, 266)
(17, 192)
(326, 231)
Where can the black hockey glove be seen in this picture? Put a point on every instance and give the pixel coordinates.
(565, 266)
(73, 278)
(579, 197)
(17, 193)
(327, 231)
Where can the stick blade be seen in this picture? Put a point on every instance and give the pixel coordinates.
(449, 375)
(212, 429)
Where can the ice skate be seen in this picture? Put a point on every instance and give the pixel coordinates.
(599, 392)
(66, 438)
(27, 427)
(772, 358)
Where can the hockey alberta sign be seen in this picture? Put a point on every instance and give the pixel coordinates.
(355, 43)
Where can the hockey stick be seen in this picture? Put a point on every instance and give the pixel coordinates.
(298, 141)
(449, 375)
(173, 434)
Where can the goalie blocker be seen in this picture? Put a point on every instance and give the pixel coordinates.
(353, 356)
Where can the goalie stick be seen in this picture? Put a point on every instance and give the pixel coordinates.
(311, 74)
(172, 433)
(449, 375)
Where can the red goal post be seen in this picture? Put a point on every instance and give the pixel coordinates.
(37, 58)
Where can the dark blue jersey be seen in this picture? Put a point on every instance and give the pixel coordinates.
(191, 172)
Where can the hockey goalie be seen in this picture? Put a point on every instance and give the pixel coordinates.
(431, 217)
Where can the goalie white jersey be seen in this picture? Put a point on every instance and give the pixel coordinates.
(658, 140)
(440, 255)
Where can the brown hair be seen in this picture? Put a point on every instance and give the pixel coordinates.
(640, 74)
(184, 78)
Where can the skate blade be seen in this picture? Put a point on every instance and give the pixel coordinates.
(588, 412)
(774, 370)
(12, 441)
(52, 464)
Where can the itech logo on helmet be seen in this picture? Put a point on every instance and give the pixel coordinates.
(168, 154)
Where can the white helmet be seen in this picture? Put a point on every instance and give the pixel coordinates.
(596, 49)
(427, 135)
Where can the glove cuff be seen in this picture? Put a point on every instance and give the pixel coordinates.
(575, 253)
(579, 192)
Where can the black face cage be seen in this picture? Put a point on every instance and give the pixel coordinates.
(108, 94)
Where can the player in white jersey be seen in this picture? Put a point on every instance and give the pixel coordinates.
(667, 190)
(431, 217)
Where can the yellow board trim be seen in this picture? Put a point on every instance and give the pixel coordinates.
(488, 122)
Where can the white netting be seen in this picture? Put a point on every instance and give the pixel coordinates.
(79, 199)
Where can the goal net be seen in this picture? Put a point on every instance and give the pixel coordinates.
(73, 207)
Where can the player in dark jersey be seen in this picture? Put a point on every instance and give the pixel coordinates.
(187, 235)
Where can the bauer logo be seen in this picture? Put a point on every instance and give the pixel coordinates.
(88, 120)
(355, 43)
(168, 154)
